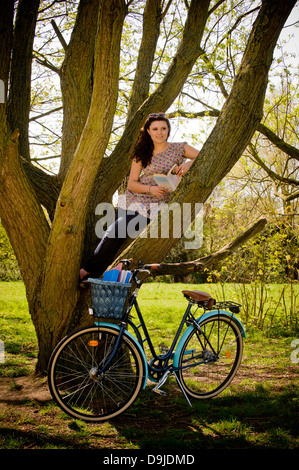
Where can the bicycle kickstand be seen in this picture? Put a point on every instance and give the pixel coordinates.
(180, 385)
(162, 382)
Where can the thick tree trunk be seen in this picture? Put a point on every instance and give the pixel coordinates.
(22, 214)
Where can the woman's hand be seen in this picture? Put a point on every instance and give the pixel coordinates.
(183, 168)
(158, 191)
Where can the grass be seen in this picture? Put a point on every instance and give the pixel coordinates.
(258, 410)
(16, 331)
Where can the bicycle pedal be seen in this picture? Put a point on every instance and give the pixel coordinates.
(160, 383)
(159, 392)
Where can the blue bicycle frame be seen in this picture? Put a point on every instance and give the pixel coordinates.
(171, 353)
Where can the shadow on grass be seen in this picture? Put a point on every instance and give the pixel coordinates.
(259, 417)
(251, 419)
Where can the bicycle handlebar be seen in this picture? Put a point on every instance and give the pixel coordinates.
(141, 266)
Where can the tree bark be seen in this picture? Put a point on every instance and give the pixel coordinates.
(22, 214)
(6, 30)
(278, 142)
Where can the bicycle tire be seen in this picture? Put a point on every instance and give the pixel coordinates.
(73, 382)
(210, 374)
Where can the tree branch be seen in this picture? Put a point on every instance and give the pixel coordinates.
(47, 64)
(38, 116)
(271, 173)
(151, 29)
(20, 74)
(166, 9)
(76, 79)
(209, 261)
(59, 35)
(214, 72)
(46, 187)
(291, 197)
(278, 142)
(290, 150)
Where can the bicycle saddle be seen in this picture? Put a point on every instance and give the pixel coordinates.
(199, 296)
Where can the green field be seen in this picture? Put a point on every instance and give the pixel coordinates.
(258, 410)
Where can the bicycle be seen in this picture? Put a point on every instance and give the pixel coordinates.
(97, 372)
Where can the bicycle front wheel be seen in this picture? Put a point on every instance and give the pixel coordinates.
(75, 384)
(210, 359)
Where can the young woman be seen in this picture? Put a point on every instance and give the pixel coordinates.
(151, 154)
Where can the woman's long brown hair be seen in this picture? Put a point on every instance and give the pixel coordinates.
(144, 146)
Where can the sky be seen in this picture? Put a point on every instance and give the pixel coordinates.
(292, 30)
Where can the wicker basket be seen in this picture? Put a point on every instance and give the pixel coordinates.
(108, 298)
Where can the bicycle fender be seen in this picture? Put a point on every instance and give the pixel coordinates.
(131, 337)
(199, 320)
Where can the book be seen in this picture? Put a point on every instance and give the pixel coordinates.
(111, 275)
(169, 181)
(117, 274)
(125, 276)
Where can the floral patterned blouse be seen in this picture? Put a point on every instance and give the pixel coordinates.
(160, 163)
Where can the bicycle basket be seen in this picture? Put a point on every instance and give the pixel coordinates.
(108, 297)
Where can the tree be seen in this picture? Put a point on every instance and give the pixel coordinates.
(50, 218)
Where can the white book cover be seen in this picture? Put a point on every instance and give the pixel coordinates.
(169, 181)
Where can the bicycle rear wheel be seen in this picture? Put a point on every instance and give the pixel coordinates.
(73, 380)
(210, 360)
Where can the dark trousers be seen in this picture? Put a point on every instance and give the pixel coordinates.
(114, 238)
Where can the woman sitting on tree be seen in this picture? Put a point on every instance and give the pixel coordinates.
(151, 154)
